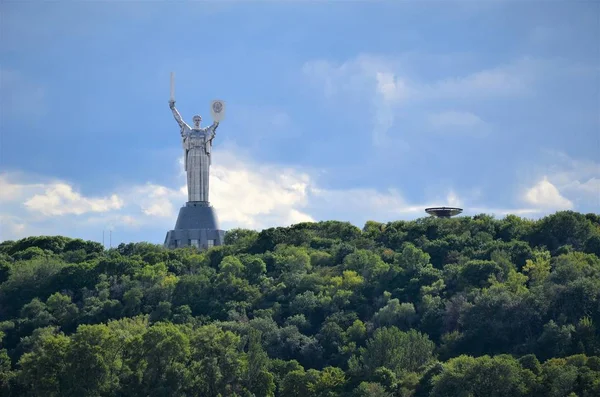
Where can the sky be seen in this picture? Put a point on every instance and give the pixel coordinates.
(345, 110)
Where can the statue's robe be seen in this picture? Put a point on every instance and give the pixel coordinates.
(197, 144)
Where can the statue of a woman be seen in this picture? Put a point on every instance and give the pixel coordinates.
(197, 144)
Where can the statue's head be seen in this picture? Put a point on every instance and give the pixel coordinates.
(197, 120)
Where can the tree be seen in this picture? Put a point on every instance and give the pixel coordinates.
(35, 314)
(538, 269)
(357, 331)
(62, 309)
(44, 370)
(396, 350)
(402, 315)
(482, 376)
(558, 378)
(371, 389)
(6, 373)
(296, 384)
(55, 244)
(255, 268)
(592, 244)
(498, 319)
(162, 312)
(94, 355)
(477, 273)
(329, 383)
(259, 380)
(514, 228)
(555, 341)
(159, 361)
(4, 267)
(320, 309)
(243, 238)
(28, 280)
(215, 360)
(366, 263)
(562, 228)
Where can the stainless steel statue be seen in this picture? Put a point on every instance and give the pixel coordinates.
(197, 224)
(197, 146)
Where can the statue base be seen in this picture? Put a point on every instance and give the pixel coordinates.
(196, 226)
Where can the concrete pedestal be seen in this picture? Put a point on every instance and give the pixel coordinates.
(197, 226)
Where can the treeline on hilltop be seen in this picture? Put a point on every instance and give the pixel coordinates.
(468, 306)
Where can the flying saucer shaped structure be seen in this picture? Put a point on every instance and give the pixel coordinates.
(443, 212)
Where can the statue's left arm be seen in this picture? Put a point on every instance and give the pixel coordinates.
(211, 135)
(213, 130)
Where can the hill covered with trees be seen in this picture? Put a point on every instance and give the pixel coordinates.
(469, 306)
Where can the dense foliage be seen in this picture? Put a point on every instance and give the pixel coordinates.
(432, 307)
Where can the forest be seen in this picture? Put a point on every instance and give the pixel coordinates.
(468, 307)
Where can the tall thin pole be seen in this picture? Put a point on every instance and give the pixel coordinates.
(110, 238)
(103, 246)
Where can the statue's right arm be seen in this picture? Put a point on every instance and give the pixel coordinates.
(177, 116)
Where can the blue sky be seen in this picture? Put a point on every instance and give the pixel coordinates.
(335, 110)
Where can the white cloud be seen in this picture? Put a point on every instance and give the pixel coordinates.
(365, 78)
(360, 205)
(453, 200)
(590, 187)
(156, 200)
(252, 195)
(46, 199)
(12, 226)
(507, 80)
(576, 180)
(245, 194)
(9, 191)
(386, 77)
(61, 199)
(389, 90)
(580, 178)
(544, 194)
(352, 201)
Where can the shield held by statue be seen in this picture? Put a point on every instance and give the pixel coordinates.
(217, 108)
